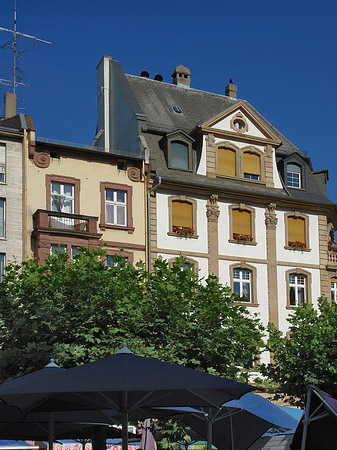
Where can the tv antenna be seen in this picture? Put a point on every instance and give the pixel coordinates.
(15, 82)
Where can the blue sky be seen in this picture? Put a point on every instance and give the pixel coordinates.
(282, 55)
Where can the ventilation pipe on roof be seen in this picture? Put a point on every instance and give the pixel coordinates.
(181, 76)
(158, 78)
(145, 74)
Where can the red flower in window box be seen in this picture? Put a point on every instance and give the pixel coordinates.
(242, 237)
(183, 231)
(297, 245)
(332, 246)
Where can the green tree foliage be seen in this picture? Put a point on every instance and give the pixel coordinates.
(80, 310)
(307, 355)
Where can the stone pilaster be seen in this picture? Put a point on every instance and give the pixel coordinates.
(210, 156)
(213, 212)
(269, 175)
(323, 236)
(271, 224)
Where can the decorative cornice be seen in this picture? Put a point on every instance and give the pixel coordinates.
(212, 208)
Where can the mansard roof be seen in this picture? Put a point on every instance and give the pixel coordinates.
(157, 99)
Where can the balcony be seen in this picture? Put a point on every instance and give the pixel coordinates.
(332, 260)
(62, 223)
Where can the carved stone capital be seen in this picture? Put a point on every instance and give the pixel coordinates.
(212, 208)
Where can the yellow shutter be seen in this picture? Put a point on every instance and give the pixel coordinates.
(182, 214)
(296, 229)
(226, 162)
(241, 222)
(251, 163)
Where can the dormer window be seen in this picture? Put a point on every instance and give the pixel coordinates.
(179, 155)
(293, 175)
(251, 166)
(177, 147)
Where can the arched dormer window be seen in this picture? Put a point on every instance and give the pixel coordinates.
(178, 150)
(251, 166)
(294, 175)
(226, 163)
(179, 155)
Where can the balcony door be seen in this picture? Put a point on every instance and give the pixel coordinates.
(62, 200)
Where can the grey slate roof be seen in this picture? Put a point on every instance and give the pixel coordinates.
(157, 99)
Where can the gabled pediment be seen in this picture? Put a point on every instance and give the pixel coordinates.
(241, 122)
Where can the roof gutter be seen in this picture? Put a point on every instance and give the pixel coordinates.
(149, 222)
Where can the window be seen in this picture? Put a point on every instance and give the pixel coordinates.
(334, 289)
(188, 264)
(56, 248)
(2, 163)
(179, 155)
(63, 194)
(2, 265)
(2, 218)
(112, 260)
(226, 162)
(251, 166)
(74, 251)
(116, 206)
(297, 232)
(182, 217)
(298, 287)
(293, 175)
(242, 284)
(242, 224)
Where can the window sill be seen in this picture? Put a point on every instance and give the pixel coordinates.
(290, 308)
(287, 247)
(219, 175)
(247, 304)
(236, 241)
(104, 226)
(193, 236)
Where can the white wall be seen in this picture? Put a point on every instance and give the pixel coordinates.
(224, 124)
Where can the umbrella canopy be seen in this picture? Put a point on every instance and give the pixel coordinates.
(238, 423)
(124, 382)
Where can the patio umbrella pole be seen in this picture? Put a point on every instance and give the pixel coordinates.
(209, 428)
(125, 421)
(51, 431)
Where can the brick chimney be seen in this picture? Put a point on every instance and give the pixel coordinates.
(181, 76)
(231, 89)
(9, 105)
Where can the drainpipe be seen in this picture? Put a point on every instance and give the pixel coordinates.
(149, 223)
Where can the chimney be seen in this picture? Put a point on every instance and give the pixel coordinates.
(10, 105)
(231, 89)
(181, 76)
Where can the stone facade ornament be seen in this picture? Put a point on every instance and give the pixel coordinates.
(212, 208)
(271, 217)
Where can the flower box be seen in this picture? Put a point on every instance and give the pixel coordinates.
(183, 231)
(242, 237)
(297, 245)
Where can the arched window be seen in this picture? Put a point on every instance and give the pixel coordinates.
(298, 287)
(251, 166)
(297, 232)
(294, 175)
(179, 155)
(243, 283)
(242, 224)
(182, 217)
(226, 162)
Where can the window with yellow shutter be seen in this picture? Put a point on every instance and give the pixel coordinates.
(297, 232)
(226, 162)
(251, 166)
(182, 218)
(241, 225)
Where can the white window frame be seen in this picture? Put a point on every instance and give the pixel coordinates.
(240, 280)
(62, 197)
(295, 177)
(3, 233)
(333, 291)
(115, 205)
(299, 283)
(2, 265)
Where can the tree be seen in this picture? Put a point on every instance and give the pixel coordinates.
(80, 310)
(307, 355)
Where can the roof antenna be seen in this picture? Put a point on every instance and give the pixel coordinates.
(14, 83)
